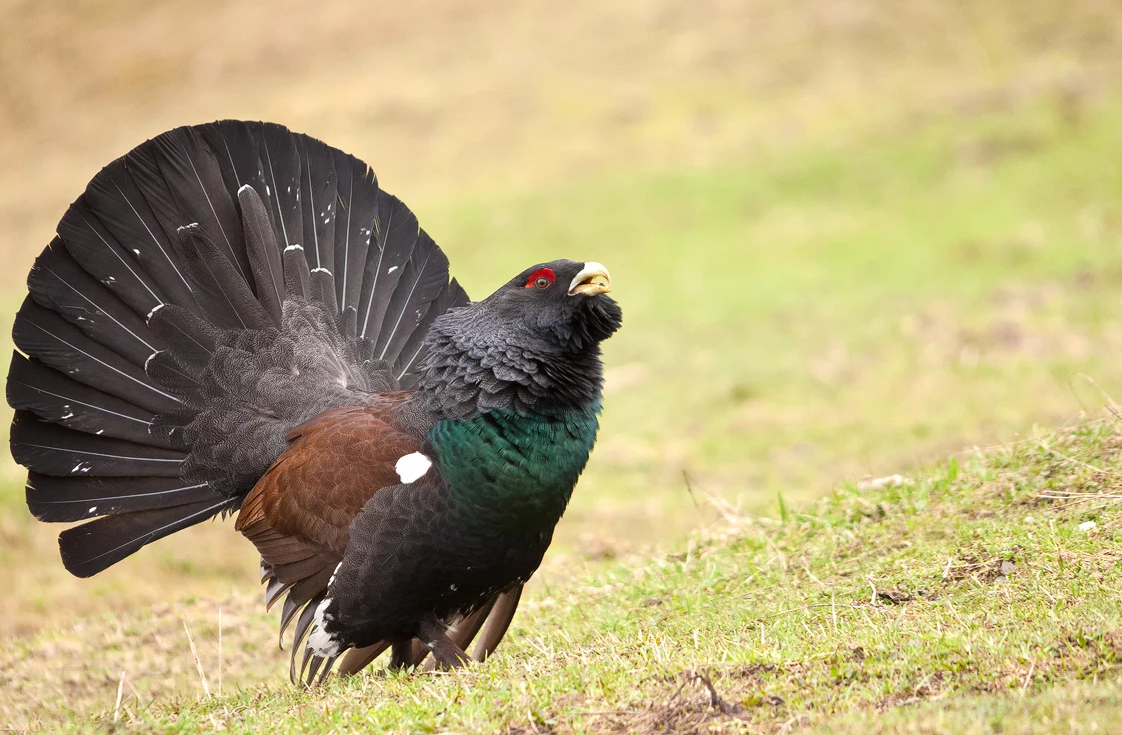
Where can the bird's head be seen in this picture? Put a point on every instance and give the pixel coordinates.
(536, 339)
(560, 305)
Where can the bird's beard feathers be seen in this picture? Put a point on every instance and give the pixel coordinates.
(482, 359)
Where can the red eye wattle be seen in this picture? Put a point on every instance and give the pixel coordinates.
(541, 278)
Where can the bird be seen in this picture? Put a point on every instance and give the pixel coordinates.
(235, 319)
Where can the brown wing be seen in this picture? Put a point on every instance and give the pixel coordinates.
(299, 513)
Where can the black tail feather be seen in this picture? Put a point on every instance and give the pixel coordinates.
(66, 499)
(59, 344)
(55, 450)
(395, 234)
(358, 197)
(101, 255)
(50, 395)
(123, 210)
(282, 170)
(425, 277)
(237, 151)
(409, 356)
(57, 282)
(98, 545)
(319, 200)
(191, 171)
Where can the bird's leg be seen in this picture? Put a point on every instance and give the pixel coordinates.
(401, 654)
(447, 654)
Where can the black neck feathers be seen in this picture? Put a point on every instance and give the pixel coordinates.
(477, 362)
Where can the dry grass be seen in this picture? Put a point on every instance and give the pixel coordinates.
(444, 97)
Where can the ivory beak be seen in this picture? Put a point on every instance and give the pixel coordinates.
(592, 280)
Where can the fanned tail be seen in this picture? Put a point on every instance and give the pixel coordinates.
(153, 379)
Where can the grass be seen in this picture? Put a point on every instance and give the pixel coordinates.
(830, 266)
(982, 594)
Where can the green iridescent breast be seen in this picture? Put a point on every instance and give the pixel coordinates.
(507, 468)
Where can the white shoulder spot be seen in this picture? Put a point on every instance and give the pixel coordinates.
(412, 467)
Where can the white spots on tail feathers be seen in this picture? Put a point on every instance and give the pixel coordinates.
(318, 270)
(332, 580)
(320, 640)
(155, 308)
(136, 250)
(99, 432)
(150, 360)
(412, 467)
(93, 510)
(294, 246)
(391, 270)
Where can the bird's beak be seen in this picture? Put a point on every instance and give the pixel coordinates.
(593, 279)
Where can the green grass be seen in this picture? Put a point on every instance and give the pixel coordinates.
(970, 595)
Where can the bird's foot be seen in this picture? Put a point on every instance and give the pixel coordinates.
(447, 654)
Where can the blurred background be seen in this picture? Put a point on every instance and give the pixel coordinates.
(849, 236)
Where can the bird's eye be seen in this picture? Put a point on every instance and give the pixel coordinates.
(541, 278)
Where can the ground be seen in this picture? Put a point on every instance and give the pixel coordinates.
(982, 596)
(850, 238)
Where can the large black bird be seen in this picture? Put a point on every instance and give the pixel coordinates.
(236, 318)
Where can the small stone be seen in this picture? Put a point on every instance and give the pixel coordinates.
(894, 596)
(1087, 526)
